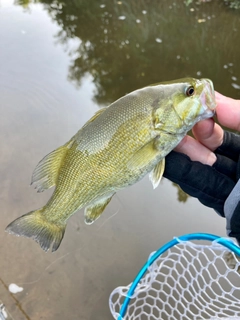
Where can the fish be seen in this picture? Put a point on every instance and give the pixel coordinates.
(116, 148)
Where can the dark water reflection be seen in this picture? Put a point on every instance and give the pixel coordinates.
(126, 45)
(59, 62)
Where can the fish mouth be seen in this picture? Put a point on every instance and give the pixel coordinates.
(208, 99)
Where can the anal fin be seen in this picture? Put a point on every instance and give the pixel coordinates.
(94, 210)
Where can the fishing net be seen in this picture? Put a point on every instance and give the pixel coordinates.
(184, 279)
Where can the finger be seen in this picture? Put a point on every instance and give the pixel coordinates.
(228, 111)
(208, 133)
(196, 151)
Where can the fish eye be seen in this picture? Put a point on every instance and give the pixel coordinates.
(190, 91)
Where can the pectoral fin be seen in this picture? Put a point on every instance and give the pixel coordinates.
(155, 175)
(94, 211)
(46, 172)
(145, 155)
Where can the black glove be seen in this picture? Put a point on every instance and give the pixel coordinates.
(215, 186)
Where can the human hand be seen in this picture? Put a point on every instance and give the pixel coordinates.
(207, 166)
(208, 134)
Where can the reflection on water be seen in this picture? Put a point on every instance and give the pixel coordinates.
(182, 196)
(127, 45)
(55, 57)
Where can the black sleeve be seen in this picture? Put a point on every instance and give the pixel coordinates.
(201, 181)
(228, 156)
(230, 147)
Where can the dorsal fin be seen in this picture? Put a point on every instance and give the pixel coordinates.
(46, 172)
(97, 114)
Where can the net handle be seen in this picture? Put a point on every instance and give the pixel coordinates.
(187, 237)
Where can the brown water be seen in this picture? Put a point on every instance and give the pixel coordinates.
(59, 62)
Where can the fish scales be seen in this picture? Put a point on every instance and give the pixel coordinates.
(102, 156)
(117, 147)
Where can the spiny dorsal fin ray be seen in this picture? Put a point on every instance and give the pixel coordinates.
(155, 175)
(46, 172)
(96, 114)
(94, 210)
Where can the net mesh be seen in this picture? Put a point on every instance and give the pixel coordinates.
(188, 281)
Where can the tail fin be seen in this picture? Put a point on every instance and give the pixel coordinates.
(34, 225)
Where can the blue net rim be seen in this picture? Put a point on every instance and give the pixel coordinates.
(225, 242)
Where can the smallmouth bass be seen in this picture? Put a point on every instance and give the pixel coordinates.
(116, 148)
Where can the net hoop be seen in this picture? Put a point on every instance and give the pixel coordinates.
(225, 242)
